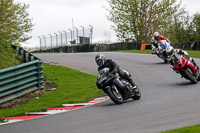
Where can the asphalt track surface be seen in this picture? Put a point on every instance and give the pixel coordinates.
(168, 101)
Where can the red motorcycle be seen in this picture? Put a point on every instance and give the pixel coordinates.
(185, 68)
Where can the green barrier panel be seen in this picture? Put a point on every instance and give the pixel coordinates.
(17, 72)
(16, 95)
(18, 89)
(20, 80)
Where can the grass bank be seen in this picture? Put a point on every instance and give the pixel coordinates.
(191, 129)
(8, 56)
(73, 87)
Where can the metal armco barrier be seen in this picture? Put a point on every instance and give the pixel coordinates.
(20, 80)
(25, 55)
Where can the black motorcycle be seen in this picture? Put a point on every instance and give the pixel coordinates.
(115, 87)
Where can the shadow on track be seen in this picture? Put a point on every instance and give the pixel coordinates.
(111, 103)
(186, 83)
(158, 63)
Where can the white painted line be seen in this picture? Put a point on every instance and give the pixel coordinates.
(7, 121)
(57, 111)
(52, 112)
(49, 112)
(76, 104)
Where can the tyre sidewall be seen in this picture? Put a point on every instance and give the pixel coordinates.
(189, 76)
(138, 96)
(113, 97)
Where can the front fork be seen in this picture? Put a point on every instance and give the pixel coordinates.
(124, 87)
(119, 83)
(114, 87)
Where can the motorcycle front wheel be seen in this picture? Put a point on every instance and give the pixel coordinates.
(190, 75)
(115, 95)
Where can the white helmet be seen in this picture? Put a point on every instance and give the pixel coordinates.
(169, 50)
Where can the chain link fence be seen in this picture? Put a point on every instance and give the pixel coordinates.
(66, 38)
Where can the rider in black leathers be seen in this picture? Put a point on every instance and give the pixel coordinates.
(102, 62)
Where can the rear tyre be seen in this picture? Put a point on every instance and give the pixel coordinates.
(115, 95)
(198, 74)
(199, 78)
(137, 94)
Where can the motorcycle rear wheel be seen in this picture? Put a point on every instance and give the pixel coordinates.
(115, 95)
(137, 94)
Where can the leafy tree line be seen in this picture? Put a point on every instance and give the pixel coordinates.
(14, 22)
(14, 26)
(137, 20)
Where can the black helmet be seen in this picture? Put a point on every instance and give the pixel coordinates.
(100, 59)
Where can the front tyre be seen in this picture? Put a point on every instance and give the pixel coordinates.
(115, 95)
(137, 94)
(189, 74)
(165, 60)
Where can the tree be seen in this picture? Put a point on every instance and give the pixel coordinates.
(196, 27)
(14, 22)
(137, 20)
(180, 30)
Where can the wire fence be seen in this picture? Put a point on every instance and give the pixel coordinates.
(66, 38)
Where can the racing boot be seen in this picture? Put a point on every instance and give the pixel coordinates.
(132, 83)
(133, 86)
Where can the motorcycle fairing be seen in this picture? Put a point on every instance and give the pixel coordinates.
(191, 65)
(183, 63)
(164, 46)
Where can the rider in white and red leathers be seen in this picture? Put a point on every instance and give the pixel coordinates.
(157, 38)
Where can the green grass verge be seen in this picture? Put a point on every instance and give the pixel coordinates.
(73, 87)
(191, 53)
(191, 129)
(133, 51)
